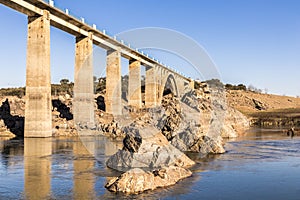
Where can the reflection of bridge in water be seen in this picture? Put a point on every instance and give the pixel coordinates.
(55, 165)
(63, 168)
(38, 120)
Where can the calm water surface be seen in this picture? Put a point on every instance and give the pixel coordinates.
(263, 164)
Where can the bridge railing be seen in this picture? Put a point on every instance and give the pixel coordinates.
(105, 32)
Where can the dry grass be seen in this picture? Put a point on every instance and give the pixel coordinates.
(275, 105)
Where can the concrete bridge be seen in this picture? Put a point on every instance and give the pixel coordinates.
(38, 118)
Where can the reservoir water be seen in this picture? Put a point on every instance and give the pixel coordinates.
(262, 164)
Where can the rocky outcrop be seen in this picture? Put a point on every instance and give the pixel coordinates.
(235, 123)
(137, 180)
(198, 122)
(62, 117)
(171, 119)
(189, 141)
(192, 120)
(132, 142)
(147, 148)
(63, 127)
(259, 105)
(14, 123)
(4, 131)
(111, 129)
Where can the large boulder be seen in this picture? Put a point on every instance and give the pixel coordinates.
(235, 123)
(195, 131)
(171, 118)
(137, 180)
(147, 148)
(191, 140)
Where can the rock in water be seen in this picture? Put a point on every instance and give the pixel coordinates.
(189, 141)
(235, 124)
(136, 180)
(154, 151)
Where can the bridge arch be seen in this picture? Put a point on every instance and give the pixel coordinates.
(169, 85)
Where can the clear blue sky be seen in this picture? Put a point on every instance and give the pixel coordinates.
(251, 41)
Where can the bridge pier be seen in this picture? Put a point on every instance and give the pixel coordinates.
(83, 81)
(151, 87)
(134, 84)
(113, 102)
(38, 117)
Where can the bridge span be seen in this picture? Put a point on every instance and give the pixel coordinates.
(38, 118)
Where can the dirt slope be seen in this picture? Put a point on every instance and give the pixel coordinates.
(251, 103)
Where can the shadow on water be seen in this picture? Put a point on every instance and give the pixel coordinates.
(14, 123)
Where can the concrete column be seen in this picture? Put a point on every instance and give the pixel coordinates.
(38, 118)
(83, 82)
(159, 80)
(150, 87)
(192, 84)
(113, 101)
(134, 88)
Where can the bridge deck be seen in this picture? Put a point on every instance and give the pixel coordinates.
(76, 27)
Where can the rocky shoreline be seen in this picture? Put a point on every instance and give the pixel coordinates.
(155, 139)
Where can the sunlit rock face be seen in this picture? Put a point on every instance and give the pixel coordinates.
(186, 128)
(235, 123)
(137, 180)
(147, 148)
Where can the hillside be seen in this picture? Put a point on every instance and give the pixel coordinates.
(266, 109)
(248, 102)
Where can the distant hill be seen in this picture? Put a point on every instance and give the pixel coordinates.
(266, 110)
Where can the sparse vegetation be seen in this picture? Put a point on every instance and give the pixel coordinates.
(65, 87)
(215, 83)
(254, 89)
(244, 88)
(235, 87)
(19, 92)
(100, 86)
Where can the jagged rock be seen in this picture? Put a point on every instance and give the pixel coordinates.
(14, 123)
(171, 118)
(258, 105)
(235, 123)
(192, 129)
(111, 129)
(4, 131)
(210, 145)
(132, 142)
(63, 127)
(189, 140)
(136, 180)
(154, 152)
(201, 119)
(228, 131)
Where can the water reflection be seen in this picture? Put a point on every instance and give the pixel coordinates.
(83, 164)
(37, 167)
(67, 168)
(11, 150)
